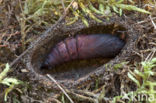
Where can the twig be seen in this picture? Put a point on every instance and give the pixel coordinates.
(43, 35)
(51, 78)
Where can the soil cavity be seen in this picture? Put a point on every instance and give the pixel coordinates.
(79, 68)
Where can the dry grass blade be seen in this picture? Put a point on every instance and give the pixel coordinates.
(150, 55)
(51, 78)
(62, 1)
(86, 93)
(152, 22)
(81, 97)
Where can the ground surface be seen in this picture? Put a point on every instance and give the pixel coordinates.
(13, 43)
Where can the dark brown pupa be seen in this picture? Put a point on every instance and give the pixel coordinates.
(83, 47)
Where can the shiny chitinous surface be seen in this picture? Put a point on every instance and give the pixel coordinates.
(83, 47)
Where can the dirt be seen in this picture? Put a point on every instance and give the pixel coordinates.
(38, 54)
(140, 41)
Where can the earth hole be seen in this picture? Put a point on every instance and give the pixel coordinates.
(76, 69)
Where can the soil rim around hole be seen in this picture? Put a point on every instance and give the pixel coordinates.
(91, 77)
